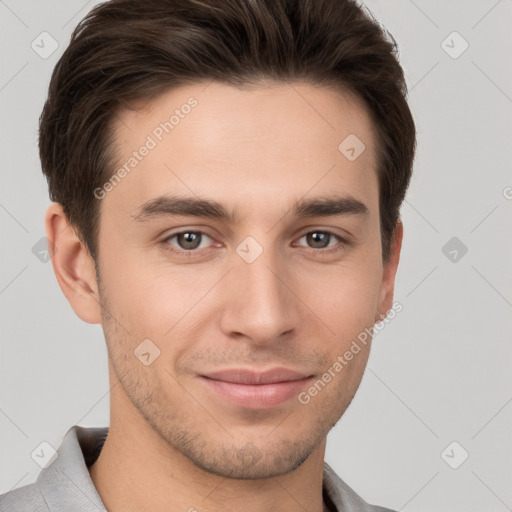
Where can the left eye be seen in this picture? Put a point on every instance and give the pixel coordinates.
(320, 239)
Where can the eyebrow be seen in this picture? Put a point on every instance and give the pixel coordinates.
(164, 206)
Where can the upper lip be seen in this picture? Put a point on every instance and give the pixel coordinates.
(245, 376)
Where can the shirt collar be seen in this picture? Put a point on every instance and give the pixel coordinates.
(66, 483)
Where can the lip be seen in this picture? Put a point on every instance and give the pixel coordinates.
(256, 390)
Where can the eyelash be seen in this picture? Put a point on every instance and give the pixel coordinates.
(194, 252)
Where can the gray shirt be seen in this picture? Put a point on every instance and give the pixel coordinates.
(65, 485)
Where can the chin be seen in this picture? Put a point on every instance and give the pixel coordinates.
(249, 462)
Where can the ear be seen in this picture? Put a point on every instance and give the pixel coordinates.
(387, 287)
(73, 265)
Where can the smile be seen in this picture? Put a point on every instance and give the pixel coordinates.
(256, 390)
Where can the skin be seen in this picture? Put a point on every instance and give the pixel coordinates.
(258, 151)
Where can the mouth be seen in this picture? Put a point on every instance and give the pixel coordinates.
(256, 390)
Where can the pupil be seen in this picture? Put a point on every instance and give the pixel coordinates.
(318, 237)
(190, 240)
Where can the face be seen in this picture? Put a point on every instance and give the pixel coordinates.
(222, 316)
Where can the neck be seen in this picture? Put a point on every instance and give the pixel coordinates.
(137, 470)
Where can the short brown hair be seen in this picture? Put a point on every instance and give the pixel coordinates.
(126, 50)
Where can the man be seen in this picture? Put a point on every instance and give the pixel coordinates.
(227, 178)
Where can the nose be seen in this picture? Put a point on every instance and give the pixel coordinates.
(260, 304)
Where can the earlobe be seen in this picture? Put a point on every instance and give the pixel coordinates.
(73, 265)
(388, 278)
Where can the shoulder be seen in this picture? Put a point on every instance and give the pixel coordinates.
(27, 499)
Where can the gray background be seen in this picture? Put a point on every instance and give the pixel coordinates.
(439, 372)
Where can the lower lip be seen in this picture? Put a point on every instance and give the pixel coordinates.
(260, 396)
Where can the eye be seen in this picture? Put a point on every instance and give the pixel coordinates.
(322, 239)
(187, 241)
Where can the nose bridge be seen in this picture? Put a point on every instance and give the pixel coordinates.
(260, 306)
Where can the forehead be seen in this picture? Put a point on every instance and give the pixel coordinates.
(246, 147)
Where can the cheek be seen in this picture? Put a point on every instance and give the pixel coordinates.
(344, 298)
(160, 302)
